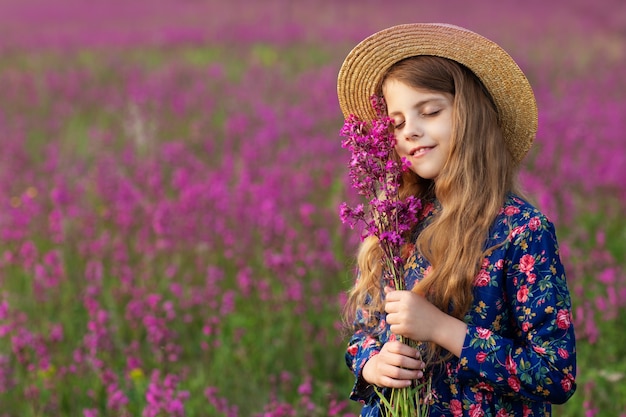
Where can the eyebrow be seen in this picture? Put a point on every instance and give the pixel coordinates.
(422, 103)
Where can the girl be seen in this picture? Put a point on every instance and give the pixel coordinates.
(489, 299)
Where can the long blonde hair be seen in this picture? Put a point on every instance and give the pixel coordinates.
(470, 189)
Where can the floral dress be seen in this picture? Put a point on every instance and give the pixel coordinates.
(519, 353)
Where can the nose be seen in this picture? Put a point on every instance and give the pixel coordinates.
(412, 130)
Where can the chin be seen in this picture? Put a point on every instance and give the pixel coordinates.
(425, 175)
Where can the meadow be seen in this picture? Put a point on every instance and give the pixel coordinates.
(170, 177)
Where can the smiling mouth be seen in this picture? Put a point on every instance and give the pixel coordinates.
(420, 151)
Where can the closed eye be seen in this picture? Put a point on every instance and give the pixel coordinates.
(432, 113)
(398, 125)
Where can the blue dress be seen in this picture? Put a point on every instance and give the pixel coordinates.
(519, 353)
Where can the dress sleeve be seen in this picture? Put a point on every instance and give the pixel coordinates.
(361, 347)
(538, 360)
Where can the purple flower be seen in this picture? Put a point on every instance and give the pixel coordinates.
(90, 412)
(375, 173)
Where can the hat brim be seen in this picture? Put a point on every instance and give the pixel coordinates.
(367, 63)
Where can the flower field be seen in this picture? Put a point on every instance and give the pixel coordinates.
(170, 181)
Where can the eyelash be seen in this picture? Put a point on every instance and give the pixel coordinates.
(431, 114)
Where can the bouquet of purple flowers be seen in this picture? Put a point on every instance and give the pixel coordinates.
(375, 173)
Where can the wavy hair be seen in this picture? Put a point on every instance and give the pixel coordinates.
(470, 189)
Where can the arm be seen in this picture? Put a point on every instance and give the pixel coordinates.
(539, 360)
(361, 348)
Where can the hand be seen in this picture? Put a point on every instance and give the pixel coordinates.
(414, 317)
(396, 366)
(411, 315)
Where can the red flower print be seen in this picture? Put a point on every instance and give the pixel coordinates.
(353, 349)
(481, 356)
(407, 250)
(563, 353)
(499, 264)
(526, 411)
(478, 397)
(567, 382)
(428, 208)
(531, 278)
(510, 365)
(369, 342)
(518, 230)
(511, 210)
(485, 387)
(476, 411)
(525, 327)
(527, 263)
(482, 279)
(427, 270)
(514, 383)
(534, 223)
(563, 319)
(483, 333)
(456, 408)
(539, 350)
(502, 413)
(522, 294)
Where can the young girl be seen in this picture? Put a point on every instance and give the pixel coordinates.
(489, 299)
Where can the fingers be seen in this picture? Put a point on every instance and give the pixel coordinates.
(392, 303)
(398, 364)
(394, 377)
(399, 348)
(403, 355)
(395, 299)
(392, 294)
(389, 290)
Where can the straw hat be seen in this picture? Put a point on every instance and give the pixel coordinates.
(369, 61)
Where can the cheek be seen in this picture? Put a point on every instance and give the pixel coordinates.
(444, 132)
(449, 129)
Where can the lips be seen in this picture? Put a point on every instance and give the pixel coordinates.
(420, 150)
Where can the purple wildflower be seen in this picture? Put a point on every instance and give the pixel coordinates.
(375, 173)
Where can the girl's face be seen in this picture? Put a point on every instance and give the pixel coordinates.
(423, 126)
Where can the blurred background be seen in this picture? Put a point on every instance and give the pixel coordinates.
(170, 177)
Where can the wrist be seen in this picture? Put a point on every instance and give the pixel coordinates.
(365, 371)
(450, 335)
